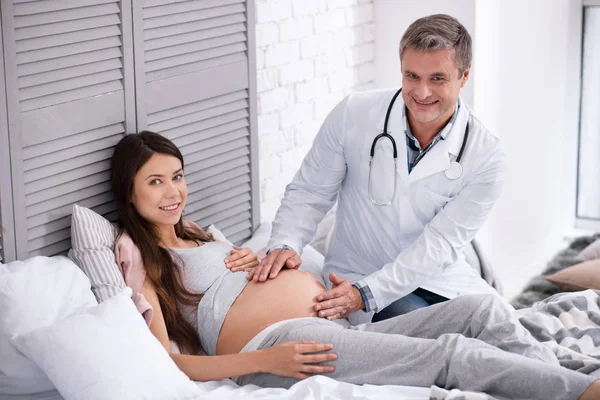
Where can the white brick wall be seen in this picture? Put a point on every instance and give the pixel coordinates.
(310, 54)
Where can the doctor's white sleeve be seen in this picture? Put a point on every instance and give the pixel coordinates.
(313, 190)
(439, 245)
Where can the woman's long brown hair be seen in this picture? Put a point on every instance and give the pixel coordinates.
(131, 153)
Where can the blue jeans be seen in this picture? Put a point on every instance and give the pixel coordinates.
(420, 298)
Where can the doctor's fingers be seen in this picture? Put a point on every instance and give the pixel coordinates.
(293, 262)
(255, 273)
(333, 312)
(287, 258)
(341, 290)
(274, 262)
(262, 271)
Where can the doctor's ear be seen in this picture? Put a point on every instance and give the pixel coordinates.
(465, 77)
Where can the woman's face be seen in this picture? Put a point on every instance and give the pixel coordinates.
(159, 190)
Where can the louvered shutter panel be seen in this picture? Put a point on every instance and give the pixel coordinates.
(7, 232)
(192, 68)
(70, 101)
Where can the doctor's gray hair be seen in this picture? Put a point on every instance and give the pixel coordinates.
(439, 32)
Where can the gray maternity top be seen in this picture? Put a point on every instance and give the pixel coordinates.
(203, 271)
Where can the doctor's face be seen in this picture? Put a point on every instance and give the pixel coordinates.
(431, 84)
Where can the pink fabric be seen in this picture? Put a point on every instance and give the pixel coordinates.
(130, 262)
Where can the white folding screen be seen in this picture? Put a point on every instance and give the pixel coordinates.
(82, 73)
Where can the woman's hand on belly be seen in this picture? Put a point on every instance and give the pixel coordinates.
(297, 359)
(241, 259)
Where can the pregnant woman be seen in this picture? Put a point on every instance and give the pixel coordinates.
(268, 334)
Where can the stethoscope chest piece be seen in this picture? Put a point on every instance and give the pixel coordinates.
(455, 171)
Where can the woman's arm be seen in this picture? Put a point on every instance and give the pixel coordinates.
(288, 359)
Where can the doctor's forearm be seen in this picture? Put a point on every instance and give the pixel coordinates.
(297, 219)
(412, 268)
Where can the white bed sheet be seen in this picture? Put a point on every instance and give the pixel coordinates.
(317, 387)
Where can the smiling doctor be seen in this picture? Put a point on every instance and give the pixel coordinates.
(415, 175)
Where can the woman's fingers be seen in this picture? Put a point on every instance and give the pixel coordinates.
(241, 259)
(237, 254)
(246, 267)
(301, 376)
(318, 358)
(313, 347)
(318, 369)
(308, 358)
(250, 261)
(300, 359)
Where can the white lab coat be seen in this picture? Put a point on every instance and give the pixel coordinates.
(417, 241)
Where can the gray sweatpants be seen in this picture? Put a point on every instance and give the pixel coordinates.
(470, 343)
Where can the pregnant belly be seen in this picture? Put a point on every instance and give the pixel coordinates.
(291, 295)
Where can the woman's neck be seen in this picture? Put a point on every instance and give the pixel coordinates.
(168, 238)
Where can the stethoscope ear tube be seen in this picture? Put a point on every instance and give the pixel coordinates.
(464, 144)
(384, 134)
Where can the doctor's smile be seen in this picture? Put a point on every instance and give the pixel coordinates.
(424, 103)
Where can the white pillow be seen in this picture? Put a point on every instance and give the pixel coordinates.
(217, 234)
(35, 293)
(106, 352)
(591, 252)
(260, 237)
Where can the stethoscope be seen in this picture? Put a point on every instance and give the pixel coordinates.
(454, 172)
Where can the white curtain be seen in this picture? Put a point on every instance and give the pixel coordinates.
(589, 153)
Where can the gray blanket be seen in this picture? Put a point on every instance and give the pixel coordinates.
(538, 288)
(568, 323)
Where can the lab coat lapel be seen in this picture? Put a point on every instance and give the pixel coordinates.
(455, 139)
(436, 160)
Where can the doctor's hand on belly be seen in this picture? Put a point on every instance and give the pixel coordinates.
(273, 263)
(339, 302)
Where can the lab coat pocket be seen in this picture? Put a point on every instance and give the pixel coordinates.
(428, 203)
(437, 198)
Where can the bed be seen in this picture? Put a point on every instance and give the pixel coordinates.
(36, 276)
(567, 322)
